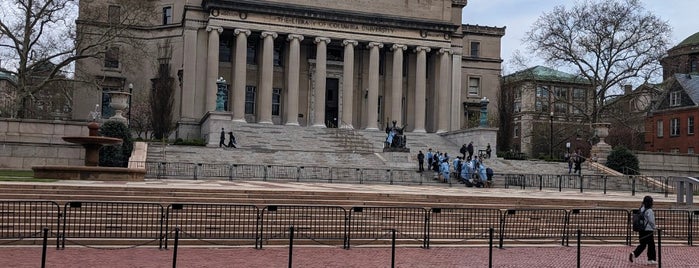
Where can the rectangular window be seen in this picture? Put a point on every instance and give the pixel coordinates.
(114, 14)
(578, 94)
(659, 128)
(690, 150)
(335, 54)
(690, 125)
(250, 96)
(542, 99)
(561, 108)
(276, 101)
(518, 93)
(675, 98)
(474, 86)
(278, 60)
(167, 15)
(674, 127)
(224, 51)
(251, 54)
(518, 107)
(516, 130)
(475, 49)
(111, 57)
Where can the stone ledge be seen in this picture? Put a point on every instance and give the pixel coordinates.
(89, 173)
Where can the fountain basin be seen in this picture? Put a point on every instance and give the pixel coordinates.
(92, 145)
(89, 173)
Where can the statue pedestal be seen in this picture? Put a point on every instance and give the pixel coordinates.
(396, 149)
(211, 126)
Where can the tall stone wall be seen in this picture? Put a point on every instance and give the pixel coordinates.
(668, 164)
(27, 143)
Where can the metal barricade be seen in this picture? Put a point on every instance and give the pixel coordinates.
(460, 225)
(315, 223)
(114, 220)
(346, 175)
(213, 222)
(282, 173)
(20, 220)
(375, 176)
(315, 174)
(371, 224)
(675, 225)
(694, 226)
(535, 225)
(153, 169)
(407, 177)
(248, 172)
(213, 171)
(599, 225)
(171, 170)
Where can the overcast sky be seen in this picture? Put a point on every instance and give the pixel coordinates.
(519, 15)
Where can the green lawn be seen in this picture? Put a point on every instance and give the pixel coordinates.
(21, 175)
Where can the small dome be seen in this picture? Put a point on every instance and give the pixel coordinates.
(691, 40)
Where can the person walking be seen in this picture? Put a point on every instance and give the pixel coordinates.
(231, 140)
(645, 236)
(222, 138)
(420, 161)
(429, 158)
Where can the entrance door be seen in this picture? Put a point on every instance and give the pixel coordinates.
(331, 102)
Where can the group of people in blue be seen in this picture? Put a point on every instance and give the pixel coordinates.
(470, 171)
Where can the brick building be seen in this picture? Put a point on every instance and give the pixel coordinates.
(671, 123)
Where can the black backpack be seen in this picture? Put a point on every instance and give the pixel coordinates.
(638, 221)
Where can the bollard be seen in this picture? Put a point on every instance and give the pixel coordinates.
(393, 248)
(490, 247)
(291, 244)
(579, 235)
(174, 251)
(660, 248)
(43, 247)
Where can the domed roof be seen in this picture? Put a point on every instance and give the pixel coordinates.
(691, 40)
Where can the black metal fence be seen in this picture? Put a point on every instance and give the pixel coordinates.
(20, 220)
(236, 224)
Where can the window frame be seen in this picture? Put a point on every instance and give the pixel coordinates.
(659, 128)
(167, 18)
(675, 127)
(477, 87)
(114, 14)
(250, 99)
(111, 58)
(690, 125)
(475, 49)
(276, 101)
(675, 98)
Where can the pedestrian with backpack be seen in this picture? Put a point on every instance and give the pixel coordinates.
(644, 224)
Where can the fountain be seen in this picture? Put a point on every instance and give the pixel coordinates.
(91, 170)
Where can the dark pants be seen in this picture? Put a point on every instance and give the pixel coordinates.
(646, 239)
(421, 163)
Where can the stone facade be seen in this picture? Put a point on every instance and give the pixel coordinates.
(313, 63)
(683, 58)
(671, 125)
(27, 143)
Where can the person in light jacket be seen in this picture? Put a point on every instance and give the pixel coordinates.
(645, 237)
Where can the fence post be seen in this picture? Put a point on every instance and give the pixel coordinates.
(660, 247)
(174, 252)
(666, 186)
(360, 172)
(579, 235)
(390, 176)
(633, 185)
(581, 183)
(393, 248)
(524, 182)
(604, 178)
(560, 183)
(291, 244)
(161, 169)
(43, 247)
(231, 168)
(490, 247)
(298, 173)
(541, 182)
(266, 172)
(197, 168)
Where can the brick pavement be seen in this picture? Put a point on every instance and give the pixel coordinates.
(310, 257)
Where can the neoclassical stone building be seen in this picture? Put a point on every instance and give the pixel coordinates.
(313, 63)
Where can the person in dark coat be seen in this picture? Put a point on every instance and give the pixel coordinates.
(421, 161)
(469, 149)
(231, 140)
(222, 138)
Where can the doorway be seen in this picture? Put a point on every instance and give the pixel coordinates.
(331, 102)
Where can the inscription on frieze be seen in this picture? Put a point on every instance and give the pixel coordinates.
(333, 25)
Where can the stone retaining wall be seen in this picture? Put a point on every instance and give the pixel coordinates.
(26, 143)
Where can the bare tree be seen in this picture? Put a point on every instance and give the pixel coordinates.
(161, 102)
(141, 118)
(39, 44)
(607, 41)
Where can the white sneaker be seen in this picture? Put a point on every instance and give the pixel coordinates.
(652, 262)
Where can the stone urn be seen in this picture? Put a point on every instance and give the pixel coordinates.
(600, 151)
(119, 101)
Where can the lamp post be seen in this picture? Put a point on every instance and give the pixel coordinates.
(130, 95)
(551, 135)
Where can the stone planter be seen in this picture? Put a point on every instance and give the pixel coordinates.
(600, 151)
(119, 101)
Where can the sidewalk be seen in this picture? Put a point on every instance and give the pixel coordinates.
(311, 257)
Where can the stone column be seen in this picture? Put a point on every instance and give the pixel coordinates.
(444, 90)
(292, 97)
(373, 94)
(189, 79)
(420, 88)
(397, 84)
(240, 74)
(264, 107)
(212, 67)
(347, 83)
(320, 77)
(455, 110)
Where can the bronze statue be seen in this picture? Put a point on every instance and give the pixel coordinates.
(395, 137)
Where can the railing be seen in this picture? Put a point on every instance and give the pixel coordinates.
(20, 220)
(240, 224)
(112, 220)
